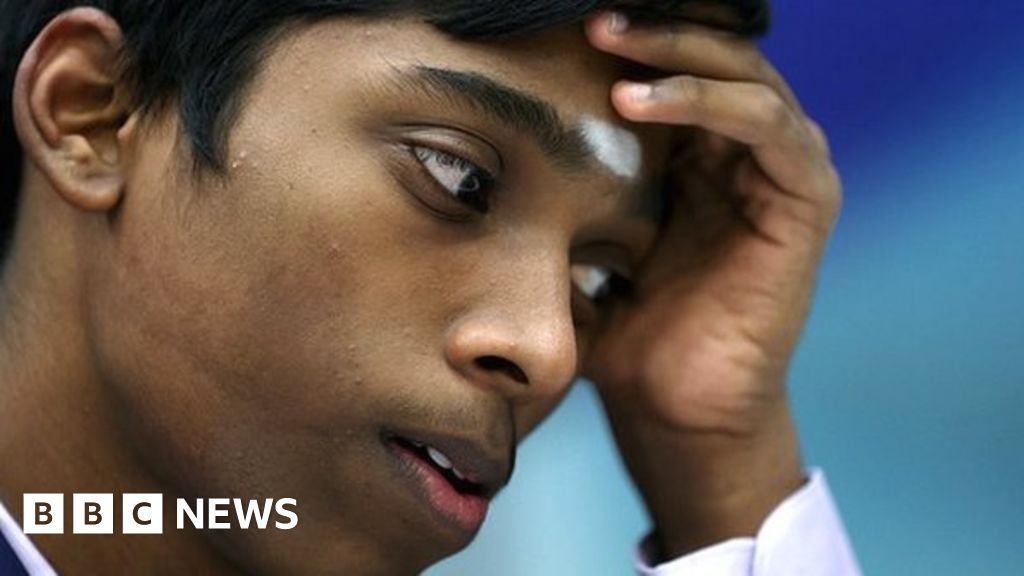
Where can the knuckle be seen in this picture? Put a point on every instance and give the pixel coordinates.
(832, 192)
(761, 66)
(819, 136)
(676, 40)
(690, 92)
(771, 108)
(835, 188)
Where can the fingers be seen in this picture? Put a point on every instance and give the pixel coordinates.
(765, 207)
(782, 139)
(725, 86)
(688, 48)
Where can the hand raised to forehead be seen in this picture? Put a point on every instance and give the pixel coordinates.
(692, 371)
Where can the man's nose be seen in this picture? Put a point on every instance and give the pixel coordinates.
(519, 340)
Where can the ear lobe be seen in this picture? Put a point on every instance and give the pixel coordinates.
(69, 106)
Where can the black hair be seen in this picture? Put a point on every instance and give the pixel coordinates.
(200, 54)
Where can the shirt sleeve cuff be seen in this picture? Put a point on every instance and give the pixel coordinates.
(804, 535)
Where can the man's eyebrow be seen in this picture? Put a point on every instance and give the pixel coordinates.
(525, 113)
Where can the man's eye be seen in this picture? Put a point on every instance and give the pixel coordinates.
(599, 283)
(465, 181)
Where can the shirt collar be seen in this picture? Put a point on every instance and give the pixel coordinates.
(30, 556)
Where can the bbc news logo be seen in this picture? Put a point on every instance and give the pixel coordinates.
(144, 514)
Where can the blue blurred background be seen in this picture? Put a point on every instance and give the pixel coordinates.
(908, 383)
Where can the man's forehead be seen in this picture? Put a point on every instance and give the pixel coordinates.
(596, 145)
(614, 147)
(551, 86)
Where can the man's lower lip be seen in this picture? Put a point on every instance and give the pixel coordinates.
(464, 512)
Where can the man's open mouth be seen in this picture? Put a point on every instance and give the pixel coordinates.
(443, 465)
(454, 477)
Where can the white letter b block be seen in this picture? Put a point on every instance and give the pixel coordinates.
(93, 514)
(42, 513)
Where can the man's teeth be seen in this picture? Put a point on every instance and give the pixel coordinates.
(441, 460)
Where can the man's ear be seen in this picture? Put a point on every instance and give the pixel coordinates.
(70, 105)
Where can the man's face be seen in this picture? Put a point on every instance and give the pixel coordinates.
(389, 260)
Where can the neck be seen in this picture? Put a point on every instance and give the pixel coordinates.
(60, 430)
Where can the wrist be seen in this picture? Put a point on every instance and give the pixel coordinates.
(705, 488)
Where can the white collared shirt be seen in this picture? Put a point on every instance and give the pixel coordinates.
(803, 536)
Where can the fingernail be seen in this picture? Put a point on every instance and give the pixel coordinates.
(617, 22)
(639, 91)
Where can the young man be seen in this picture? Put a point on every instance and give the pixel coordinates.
(352, 252)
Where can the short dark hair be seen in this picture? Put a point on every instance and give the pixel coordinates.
(201, 53)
